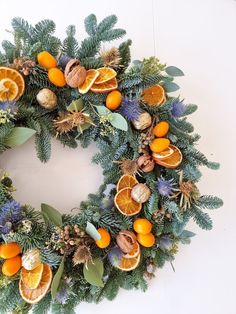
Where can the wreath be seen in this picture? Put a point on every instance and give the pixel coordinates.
(82, 93)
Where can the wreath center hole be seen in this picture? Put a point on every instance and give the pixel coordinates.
(63, 182)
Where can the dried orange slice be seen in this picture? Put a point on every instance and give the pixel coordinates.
(8, 89)
(105, 74)
(127, 264)
(164, 154)
(173, 161)
(33, 296)
(135, 252)
(154, 95)
(90, 79)
(8, 73)
(125, 204)
(31, 278)
(126, 181)
(105, 87)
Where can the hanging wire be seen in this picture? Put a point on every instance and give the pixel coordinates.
(154, 24)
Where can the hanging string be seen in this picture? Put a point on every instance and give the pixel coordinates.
(154, 24)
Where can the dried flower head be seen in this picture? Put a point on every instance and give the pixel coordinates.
(111, 57)
(62, 124)
(128, 166)
(82, 255)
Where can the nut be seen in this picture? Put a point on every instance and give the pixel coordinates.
(75, 74)
(47, 98)
(140, 193)
(145, 163)
(125, 240)
(143, 122)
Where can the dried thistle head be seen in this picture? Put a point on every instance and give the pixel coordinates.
(82, 255)
(63, 123)
(111, 57)
(128, 166)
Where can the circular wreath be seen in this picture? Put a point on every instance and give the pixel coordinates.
(83, 92)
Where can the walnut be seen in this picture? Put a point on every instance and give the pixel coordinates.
(75, 74)
(140, 193)
(125, 240)
(143, 122)
(145, 163)
(47, 98)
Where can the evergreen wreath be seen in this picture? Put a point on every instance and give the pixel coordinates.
(83, 93)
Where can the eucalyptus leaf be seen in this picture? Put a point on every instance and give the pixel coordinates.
(18, 136)
(76, 105)
(93, 272)
(187, 234)
(92, 231)
(51, 214)
(102, 110)
(171, 87)
(174, 71)
(83, 127)
(57, 279)
(119, 122)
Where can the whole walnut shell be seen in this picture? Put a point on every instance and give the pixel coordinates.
(145, 163)
(140, 193)
(125, 240)
(47, 98)
(31, 259)
(143, 122)
(75, 74)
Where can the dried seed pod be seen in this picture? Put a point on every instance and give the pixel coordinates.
(125, 240)
(47, 98)
(140, 193)
(75, 74)
(143, 122)
(145, 163)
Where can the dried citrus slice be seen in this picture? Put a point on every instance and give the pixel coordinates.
(105, 74)
(135, 251)
(126, 181)
(33, 296)
(154, 95)
(127, 264)
(173, 161)
(8, 89)
(32, 278)
(90, 79)
(105, 87)
(164, 154)
(125, 204)
(14, 76)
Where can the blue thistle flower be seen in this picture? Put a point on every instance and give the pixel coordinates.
(62, 295)
(178, 109)
(130, 109)
(165, 187)
(10, 213)
(165, 243)
(8, 105)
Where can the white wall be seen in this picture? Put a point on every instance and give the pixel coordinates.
(199, 37)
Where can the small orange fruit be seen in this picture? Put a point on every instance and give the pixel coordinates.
(125, 204)
(91, 76)
(147, 240)
(56, 77)
(172, 161)
(11, 266)
(158, 145)
(142, 225)
(46, 60)
(33, 296)
(105, 238)
(113, 100)
(126, 181)
(105, 74)
(135, 252)
(32, 278)
(154, 95)
(127, 264)
(161, 129)
(9, 250)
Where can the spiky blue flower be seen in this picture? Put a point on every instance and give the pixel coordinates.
(165, 243)
(62, 295)
(165, 187)
(178, 109)
(8, 105)
(10, 213)
(130, 109)
(115, 255)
